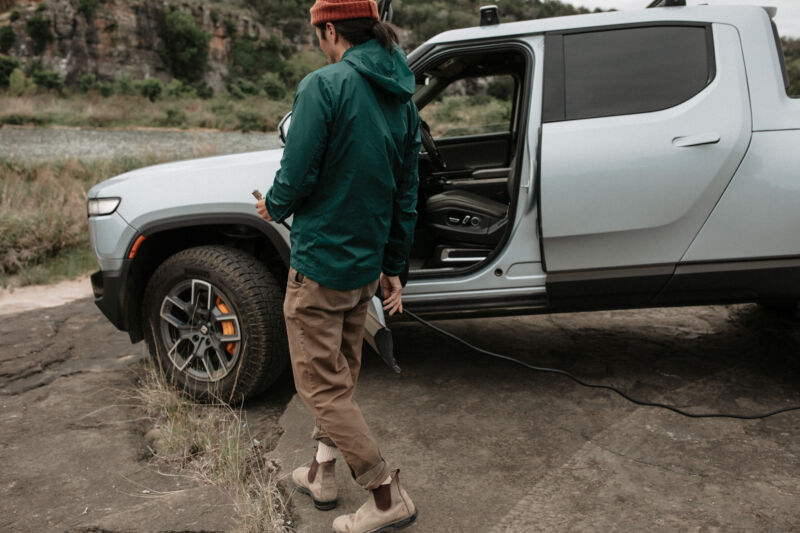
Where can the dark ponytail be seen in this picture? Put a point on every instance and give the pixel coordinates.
(361, 30)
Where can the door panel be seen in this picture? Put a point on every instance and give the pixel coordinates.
(634, 190)
(475, 152)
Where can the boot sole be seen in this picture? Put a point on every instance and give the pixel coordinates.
(322, 506)
(400, 524)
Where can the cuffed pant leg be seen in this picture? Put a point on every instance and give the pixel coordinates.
(315, 323)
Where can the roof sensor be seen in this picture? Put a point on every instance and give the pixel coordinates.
(668, 3)
(489, 16)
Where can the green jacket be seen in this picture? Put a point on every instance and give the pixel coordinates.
(349, 169)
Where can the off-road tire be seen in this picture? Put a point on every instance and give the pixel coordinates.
(258, 301)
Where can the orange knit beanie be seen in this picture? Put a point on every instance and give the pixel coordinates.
(331, 10)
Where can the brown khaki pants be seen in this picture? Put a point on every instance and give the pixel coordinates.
(326, 330)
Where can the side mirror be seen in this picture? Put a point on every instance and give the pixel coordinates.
(283, 127)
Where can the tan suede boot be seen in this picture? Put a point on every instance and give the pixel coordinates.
(319, 482)
(388, 507)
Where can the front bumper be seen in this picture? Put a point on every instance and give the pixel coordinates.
(109, 296)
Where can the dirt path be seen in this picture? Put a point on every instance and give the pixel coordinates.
(21, 299)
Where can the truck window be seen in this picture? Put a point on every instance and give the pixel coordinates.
(631, 70)
(471, 106)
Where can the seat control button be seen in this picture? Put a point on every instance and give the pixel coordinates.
(454, 220)
(475, 221)
(466, 220)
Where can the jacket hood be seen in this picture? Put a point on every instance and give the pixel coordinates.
(388, 71)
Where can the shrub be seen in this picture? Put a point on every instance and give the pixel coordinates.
(185, 46)
(202, 89)
(214, 16)
(250, 121)
(39, 31)
(501, 88)
(86, 8)
(175, 117)
(273, 86)
(7, 66)
(230, 27)
(14, 16)
(86, 82)
(301, 64)
(124, 84)
(251, 60)
(41, 7)
(47, 79)
(150, 88)
(106, 89)
(17, 82)
(239, 88)
(174, 89)
(7, 38)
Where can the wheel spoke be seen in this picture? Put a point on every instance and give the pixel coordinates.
(207, 364)
(186, 307)
(197, 285)
(172, 356)
(169, 317)
(221, 356)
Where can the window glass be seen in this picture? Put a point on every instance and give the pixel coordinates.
(471, 106)
(634, 70)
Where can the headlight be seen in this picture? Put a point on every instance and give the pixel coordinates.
(102, 206)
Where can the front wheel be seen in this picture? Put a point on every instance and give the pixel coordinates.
(214, 323)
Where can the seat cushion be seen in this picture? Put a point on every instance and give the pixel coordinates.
(465, 201)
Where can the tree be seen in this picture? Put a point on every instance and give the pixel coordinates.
(185, 48)
(7, 66)
(39, 31)
(7, 38)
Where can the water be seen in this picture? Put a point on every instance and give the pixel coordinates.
(48, 144)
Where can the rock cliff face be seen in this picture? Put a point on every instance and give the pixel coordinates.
(119, 37)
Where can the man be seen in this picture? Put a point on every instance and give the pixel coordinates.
(349, 177)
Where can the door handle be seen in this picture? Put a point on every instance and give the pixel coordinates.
(695, 140)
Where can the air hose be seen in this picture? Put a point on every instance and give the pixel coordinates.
(579, 381)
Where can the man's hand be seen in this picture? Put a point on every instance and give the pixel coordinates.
(261, 207)
(392, 292)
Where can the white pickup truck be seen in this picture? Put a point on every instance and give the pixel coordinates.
(633, 159)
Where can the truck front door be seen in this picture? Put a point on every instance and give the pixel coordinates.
(643, 128)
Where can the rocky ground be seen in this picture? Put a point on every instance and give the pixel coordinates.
(482, 445)
(72, 449)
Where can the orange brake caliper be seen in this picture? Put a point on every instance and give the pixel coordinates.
(227, 325)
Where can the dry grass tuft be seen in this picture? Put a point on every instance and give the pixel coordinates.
(43, 207)
(214, 443)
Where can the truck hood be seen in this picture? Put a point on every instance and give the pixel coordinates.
(206, 186)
